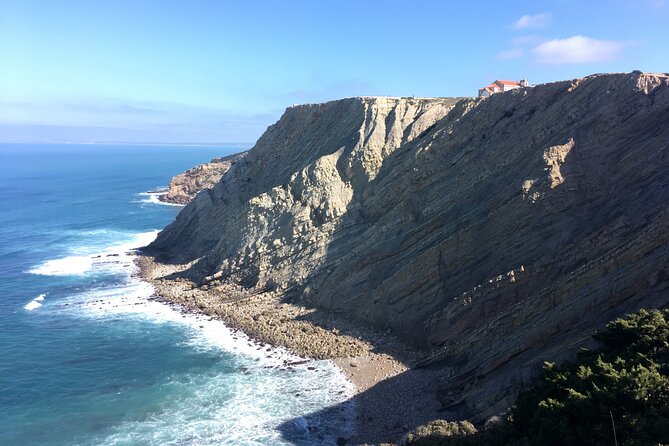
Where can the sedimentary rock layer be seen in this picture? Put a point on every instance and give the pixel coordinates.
(496, 232)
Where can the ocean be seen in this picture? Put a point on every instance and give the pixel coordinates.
(87, 357)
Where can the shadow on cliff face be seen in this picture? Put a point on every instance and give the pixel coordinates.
(384, 413)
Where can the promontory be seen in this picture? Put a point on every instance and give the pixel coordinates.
(488, 234)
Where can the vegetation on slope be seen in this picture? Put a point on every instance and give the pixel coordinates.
(616, 394)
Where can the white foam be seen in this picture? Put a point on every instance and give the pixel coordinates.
(134, 299)
(219, 408)
(239, 409)
(67, 266)
(136, 241)
(154, 198)
(32, 305)
(115, 258)
(277, 386)
(35, 303)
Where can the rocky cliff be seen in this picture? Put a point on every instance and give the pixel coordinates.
(496, 232)
(185, 186)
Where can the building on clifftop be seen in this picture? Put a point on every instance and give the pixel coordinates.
(500, 86)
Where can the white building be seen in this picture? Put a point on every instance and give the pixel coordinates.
(500, 86)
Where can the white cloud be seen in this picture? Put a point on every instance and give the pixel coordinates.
(577, 49)
(514, 53)
(532, 21)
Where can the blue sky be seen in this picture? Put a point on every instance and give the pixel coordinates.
(221, 71)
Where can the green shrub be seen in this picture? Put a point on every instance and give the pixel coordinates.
(438, 431)
(624, 383)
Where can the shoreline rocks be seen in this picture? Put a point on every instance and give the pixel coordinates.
(366, 357)
(266, 318)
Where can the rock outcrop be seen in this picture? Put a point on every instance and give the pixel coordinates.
(497, 233)
(185, 186)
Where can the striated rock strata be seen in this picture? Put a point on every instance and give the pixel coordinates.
(496, 232)
(185, 186)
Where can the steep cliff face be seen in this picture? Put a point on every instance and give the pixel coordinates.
(497, 232)
(294, 187)
(185, 186)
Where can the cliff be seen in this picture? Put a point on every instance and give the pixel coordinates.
(185, 186)
(496, 233)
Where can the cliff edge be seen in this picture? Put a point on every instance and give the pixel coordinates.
(496, 233)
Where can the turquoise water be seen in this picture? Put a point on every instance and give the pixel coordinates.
(86, 357)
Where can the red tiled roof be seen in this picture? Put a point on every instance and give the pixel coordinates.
(507, 82)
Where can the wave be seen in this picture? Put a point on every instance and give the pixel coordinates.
(67, 266)
(248, 401)
(35, 303)
(135, 298)
(113, 258)
(152, 197)
(250, 406)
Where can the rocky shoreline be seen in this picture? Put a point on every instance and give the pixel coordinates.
(367, 358)
(185, 186)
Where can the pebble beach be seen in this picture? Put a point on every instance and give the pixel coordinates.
(377, 364)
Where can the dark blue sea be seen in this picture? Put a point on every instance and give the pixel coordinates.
(87, 357)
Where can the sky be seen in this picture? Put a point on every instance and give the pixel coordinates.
(217, 71)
